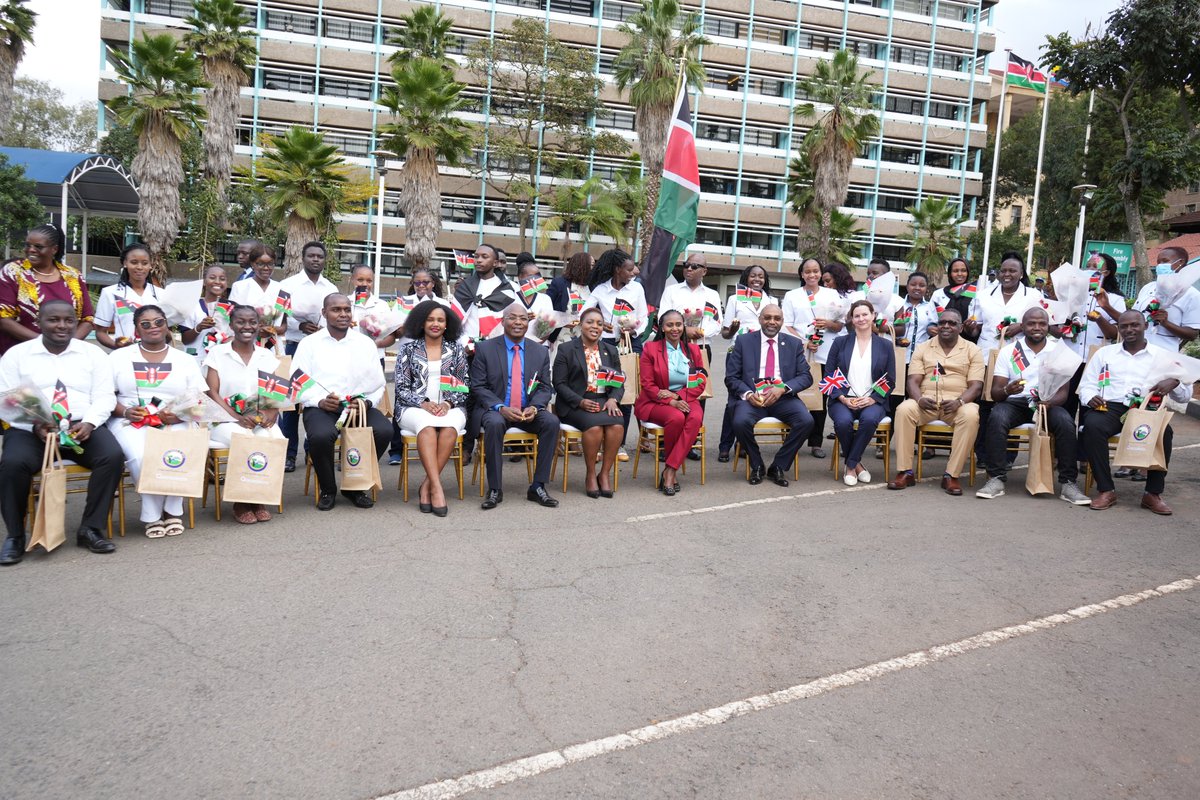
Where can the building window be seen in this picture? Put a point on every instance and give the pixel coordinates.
(1016, 216)
(349, 29)
(292, 23)
(1193, 188)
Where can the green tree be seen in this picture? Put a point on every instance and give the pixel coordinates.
(16, 33)
(162, 110)
(309, 183)
(663, 44)
(426, 129)
(42, 120)
(19, 208)
(838, 134)
(936, 235)
(542, 95)
(585, 206)
(226, 52)
(1003, 240)
(629, 192)
(1145, 56)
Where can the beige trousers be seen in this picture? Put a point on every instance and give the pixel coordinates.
(965, 422)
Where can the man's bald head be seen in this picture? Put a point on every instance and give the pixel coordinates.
(1034, 313)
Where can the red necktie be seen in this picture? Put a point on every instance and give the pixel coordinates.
(514, 379)
(769, 374)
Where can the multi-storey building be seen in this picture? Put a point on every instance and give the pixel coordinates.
(322, 63)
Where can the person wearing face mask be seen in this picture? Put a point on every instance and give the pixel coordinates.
(1179, 323)
(117, 304)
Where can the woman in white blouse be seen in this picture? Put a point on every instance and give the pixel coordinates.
(260, 292)
(117, 304)
(618, 296)
(1001, 305)
(200, 330)
(146, 375)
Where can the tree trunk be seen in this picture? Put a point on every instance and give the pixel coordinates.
(653, 184)
(420, 196)
(1137, 232)
(652, 124)
(158, 167)
(223, 102)
(300, 231)
(8, 70)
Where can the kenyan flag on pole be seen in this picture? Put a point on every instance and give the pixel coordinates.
(1023, 73)
(678, 202)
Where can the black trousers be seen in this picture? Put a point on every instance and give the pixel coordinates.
(1098, 427)
(321, 433)
(789, 410)
(817, 435)
(493, 426)
(22, 459)
(1007, 415)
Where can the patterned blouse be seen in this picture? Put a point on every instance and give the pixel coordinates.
(592, 356)
(22, 294)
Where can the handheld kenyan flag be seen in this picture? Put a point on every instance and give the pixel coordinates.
(123, 307)
(764, 384)
(830, 382)
(283, 302)
(1105, 377)
(274, 388)
(532, 386)
(622, 308)
(449, 383)
(150, 376)
(1094, 281)
(1018, 359)
(695, 378)
(968, 291)
(406, 303)
(532, 285)
(222, 311)
(58, 404)
(361, 295)
(710, 311)
(301, 382)
(574, 302)
(237, 402)
(488, 325)
(609, 379)
(938, 372)
(747, 295)
(464, 260)
(881, 387)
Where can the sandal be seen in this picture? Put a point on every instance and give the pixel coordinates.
(261, 514)
(173, 525)
(155, 530)
(243, 514)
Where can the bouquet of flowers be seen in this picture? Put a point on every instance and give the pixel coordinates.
(1057, 368)
(1004, 323)
(545, 324)
(879, 291)
(25, 404)
(1169, 288)
(383, 321)
(1071, 286)
(194, 407)
(693, 317)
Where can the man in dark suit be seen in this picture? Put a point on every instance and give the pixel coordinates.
(510, 380)
(764, 371)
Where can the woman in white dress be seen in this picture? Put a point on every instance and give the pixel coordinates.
(813, 314)
(145, 375)
(199, 330)
(431, 394)
(260, 291)
(115, 308)
(231, 369)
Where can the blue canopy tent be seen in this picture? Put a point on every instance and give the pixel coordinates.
(80, 183)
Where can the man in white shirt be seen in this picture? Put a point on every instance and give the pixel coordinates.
(1114, 376)
(485, 291)
(1171, 327)
(58, 358)
(308, 289)
(693, 295)
(344, 364)
(1016, 375)
(242, 256)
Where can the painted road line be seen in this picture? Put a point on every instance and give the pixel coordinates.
(533, 766)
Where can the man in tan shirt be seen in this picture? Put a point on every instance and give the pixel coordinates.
(945, 379)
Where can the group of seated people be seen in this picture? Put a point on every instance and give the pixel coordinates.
(511, 382)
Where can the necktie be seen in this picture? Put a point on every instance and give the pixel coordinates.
(769, 373)
(515, 378)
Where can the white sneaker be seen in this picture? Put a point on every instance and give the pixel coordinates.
(850, 479)
(1073, 495)
(992, 489)
(864, 477)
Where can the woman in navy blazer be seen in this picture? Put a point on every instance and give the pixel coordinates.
(863, 358)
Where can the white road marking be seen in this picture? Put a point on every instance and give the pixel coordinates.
(532, 766)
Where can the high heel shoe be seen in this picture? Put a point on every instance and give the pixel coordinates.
(592, 494)
(669, 491)
(608, 494)
(440, 511)
(426, 508)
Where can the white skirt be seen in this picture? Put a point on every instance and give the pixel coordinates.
(223, 432)
(415, 419)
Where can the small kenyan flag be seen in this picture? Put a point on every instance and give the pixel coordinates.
(124, 307)
(574, 302)
(464, 260)
(532, 285)
(405, 303)
(1018, 359)
(763, 384)
(222, 311)
(301, 382)
(449, 383)
(283, 302)
(695, 379)
(1105, 377)
(237, 402)
(747, 295)
(273, 387)
(1094, 281)
(608, 378)
(532, 386)
(622, 308)
(968, 291)
(938, 372)
(58, 404)
(881, 387)
(710, 311)
(150, 376)
(361, 295)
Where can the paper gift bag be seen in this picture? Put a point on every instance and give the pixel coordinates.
(631, 365)
(49, 520)
(708, 379)
(1040, 478)
(991, 368)
(173, 462)
(254, 470)
(1141, 443)
(360, 463)
(812, 397)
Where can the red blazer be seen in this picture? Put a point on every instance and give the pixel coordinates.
(655, 376)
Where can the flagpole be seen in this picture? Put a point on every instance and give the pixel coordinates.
(1037, 179)
(1077, 252)
(987, 233)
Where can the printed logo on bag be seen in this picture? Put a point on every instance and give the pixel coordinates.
(1141, 432)
(257, 461)
(353, 457)
(174, 458)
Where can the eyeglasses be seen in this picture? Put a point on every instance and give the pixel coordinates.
(422, 283)
(951, 322)
(694, 266)
(151, 324)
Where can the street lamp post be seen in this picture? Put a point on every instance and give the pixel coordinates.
(381, 158)
(1085, 192)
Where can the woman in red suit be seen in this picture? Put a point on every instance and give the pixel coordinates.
(666, 399)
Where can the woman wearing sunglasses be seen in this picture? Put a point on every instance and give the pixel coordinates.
(146, 375)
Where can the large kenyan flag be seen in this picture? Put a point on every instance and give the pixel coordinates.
(1024, 73)
(678, 203)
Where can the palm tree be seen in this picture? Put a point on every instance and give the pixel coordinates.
(936, 237)
(16, 32)
(629, 192)
(588, 205)
(309, 183)
(662, 45)
(842, 245)
(162, 109)
(425, 33)
(219, 40)
(425, 103)
(839, 133)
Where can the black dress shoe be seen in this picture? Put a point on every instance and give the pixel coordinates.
(426, 508)
(756, 476)
(360, 499)
(441, 511)
(326, 501)
(669, 491)
(94, 540)
(595, 495)
(723, 457)
(607, 493)
(541, 497)
(289, 465)
(12, 552)
(693, 455)
(493, 499)
(777, 476)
